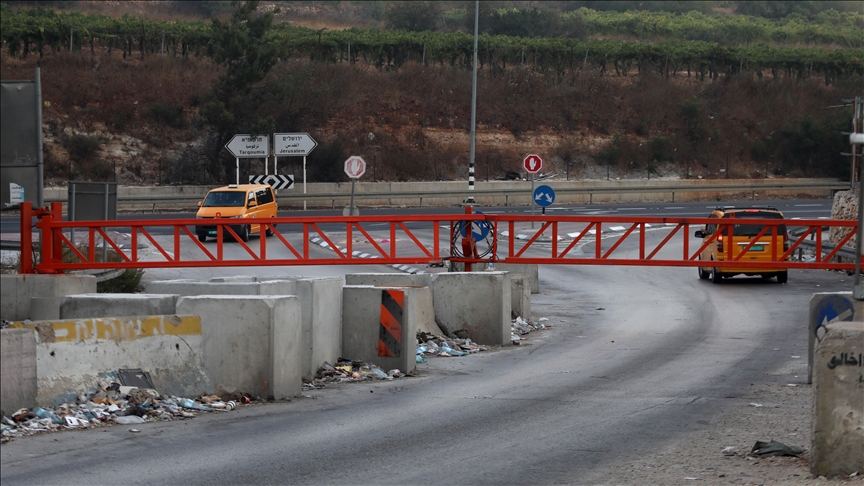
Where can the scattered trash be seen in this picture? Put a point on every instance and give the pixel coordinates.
(520, 327)
(774, 448)
(347, 370)
(730, 451)
(757, 405)
(134, 431)
(113, 404)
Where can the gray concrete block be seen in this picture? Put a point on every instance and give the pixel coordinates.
(16, 291)
(389, 279)
(187, 287)
(838, 406)
(18, 373)
(520, 296)
(361, 326)
(276, 287)
(530, 271)
(825, 308)
(478, 302)
(85, 306)
(45, 308)
(234, 279)
(250, 342)
(73, 356)
(321, 314)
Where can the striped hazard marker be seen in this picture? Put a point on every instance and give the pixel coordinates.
(390, 331)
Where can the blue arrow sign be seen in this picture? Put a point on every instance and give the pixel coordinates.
(479, 228)
(544, 196)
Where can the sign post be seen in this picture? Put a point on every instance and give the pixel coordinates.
(355, 167)
(293, 144)
(532, 163)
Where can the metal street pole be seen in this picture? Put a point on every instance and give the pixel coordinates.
(470, 199)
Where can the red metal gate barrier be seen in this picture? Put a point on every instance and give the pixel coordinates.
(402, 245)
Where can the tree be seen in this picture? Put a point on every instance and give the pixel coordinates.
(413, 16)
(242, 46)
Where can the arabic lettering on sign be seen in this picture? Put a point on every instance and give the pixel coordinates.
(846, 359)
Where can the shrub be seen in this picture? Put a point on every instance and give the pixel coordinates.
(166, 114)
(81, 147)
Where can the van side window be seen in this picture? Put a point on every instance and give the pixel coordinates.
(264, 196)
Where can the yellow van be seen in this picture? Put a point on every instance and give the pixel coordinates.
(237, 201)
(742, 236)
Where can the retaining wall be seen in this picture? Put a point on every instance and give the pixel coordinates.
(18, 373)
(251, 342)
(838, 407)
(73, 356)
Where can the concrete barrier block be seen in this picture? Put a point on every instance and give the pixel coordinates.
(478, 302)
(530, 272)
(74, 355)
(18, 373)
(520, 296)
(321, 315)
(389, 279)
(276, 287)
(250, 342)
(16, 291)
(827, 308)
(234, 279)
(838, 407)
(86, 306)
(185, 287)
(362, 325)
(45, 308)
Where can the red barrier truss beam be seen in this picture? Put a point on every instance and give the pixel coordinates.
(606, 248)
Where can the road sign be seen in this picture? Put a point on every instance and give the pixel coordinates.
(274, 180)
(544, 196)
(293, 144)
(355, 166)
(244, 146)
(532, 163)
(479, 228)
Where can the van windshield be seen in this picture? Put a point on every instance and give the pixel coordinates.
(754, 229)
(225, 199)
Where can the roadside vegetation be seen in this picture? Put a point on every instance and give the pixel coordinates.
(718, 89)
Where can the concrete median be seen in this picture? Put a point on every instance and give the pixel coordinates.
(18, 374)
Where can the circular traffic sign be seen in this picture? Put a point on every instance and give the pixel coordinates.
(355, 166)
(532, 163)
(479, 228)
(544, 196)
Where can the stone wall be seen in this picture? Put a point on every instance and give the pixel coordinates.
(845, 207)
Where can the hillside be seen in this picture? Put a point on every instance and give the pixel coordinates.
(138, 119)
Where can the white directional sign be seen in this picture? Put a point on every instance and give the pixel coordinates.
(293, 144)
(274, 180)
(355, 166)
(248, 146)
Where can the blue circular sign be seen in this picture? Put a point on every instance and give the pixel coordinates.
(544, 196)
(479, 229)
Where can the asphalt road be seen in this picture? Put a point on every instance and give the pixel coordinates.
(637, 356)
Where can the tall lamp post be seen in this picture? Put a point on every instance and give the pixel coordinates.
(470, 199)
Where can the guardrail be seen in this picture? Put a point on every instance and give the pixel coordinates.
(501, 193)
